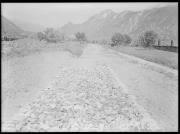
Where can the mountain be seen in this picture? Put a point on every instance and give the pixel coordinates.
(27, 26)
(163, 20)
(9, 28)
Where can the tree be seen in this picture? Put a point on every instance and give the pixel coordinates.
(59, 36)
(146, 39)
(117, 39)
(127, 39)
(80, 36)
(49, 35)
(40, 36)
(52, 35)
(150, 38)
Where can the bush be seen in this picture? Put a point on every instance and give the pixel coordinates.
(80, 36)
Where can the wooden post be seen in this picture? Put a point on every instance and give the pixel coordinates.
(159, 42)
(171, 43)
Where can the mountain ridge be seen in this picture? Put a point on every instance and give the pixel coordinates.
(163, 20)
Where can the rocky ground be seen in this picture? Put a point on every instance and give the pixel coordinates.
(83, 99)
(100, 90)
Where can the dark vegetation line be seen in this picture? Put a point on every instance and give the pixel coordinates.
(145, 39)
(142, 46)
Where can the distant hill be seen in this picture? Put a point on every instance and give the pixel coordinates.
(163, 20)
(27, 26)
(9, 28)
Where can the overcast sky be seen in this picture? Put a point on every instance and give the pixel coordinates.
(58, 14)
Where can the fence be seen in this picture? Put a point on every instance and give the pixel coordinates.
(162, 45)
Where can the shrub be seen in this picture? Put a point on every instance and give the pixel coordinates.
(80, 36)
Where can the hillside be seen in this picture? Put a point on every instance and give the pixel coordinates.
(9, 28)
(29, 26)
(163, 20)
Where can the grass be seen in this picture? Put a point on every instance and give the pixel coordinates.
(28, 46)
(165, 58)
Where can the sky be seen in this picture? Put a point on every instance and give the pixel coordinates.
(57, 14)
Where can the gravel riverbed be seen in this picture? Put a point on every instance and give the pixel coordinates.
(82, 99)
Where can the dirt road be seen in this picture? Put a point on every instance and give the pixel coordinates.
(155, 91)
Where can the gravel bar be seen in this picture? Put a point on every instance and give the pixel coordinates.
(82, 99)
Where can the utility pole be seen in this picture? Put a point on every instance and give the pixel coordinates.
(159, 42)
(171, 43)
